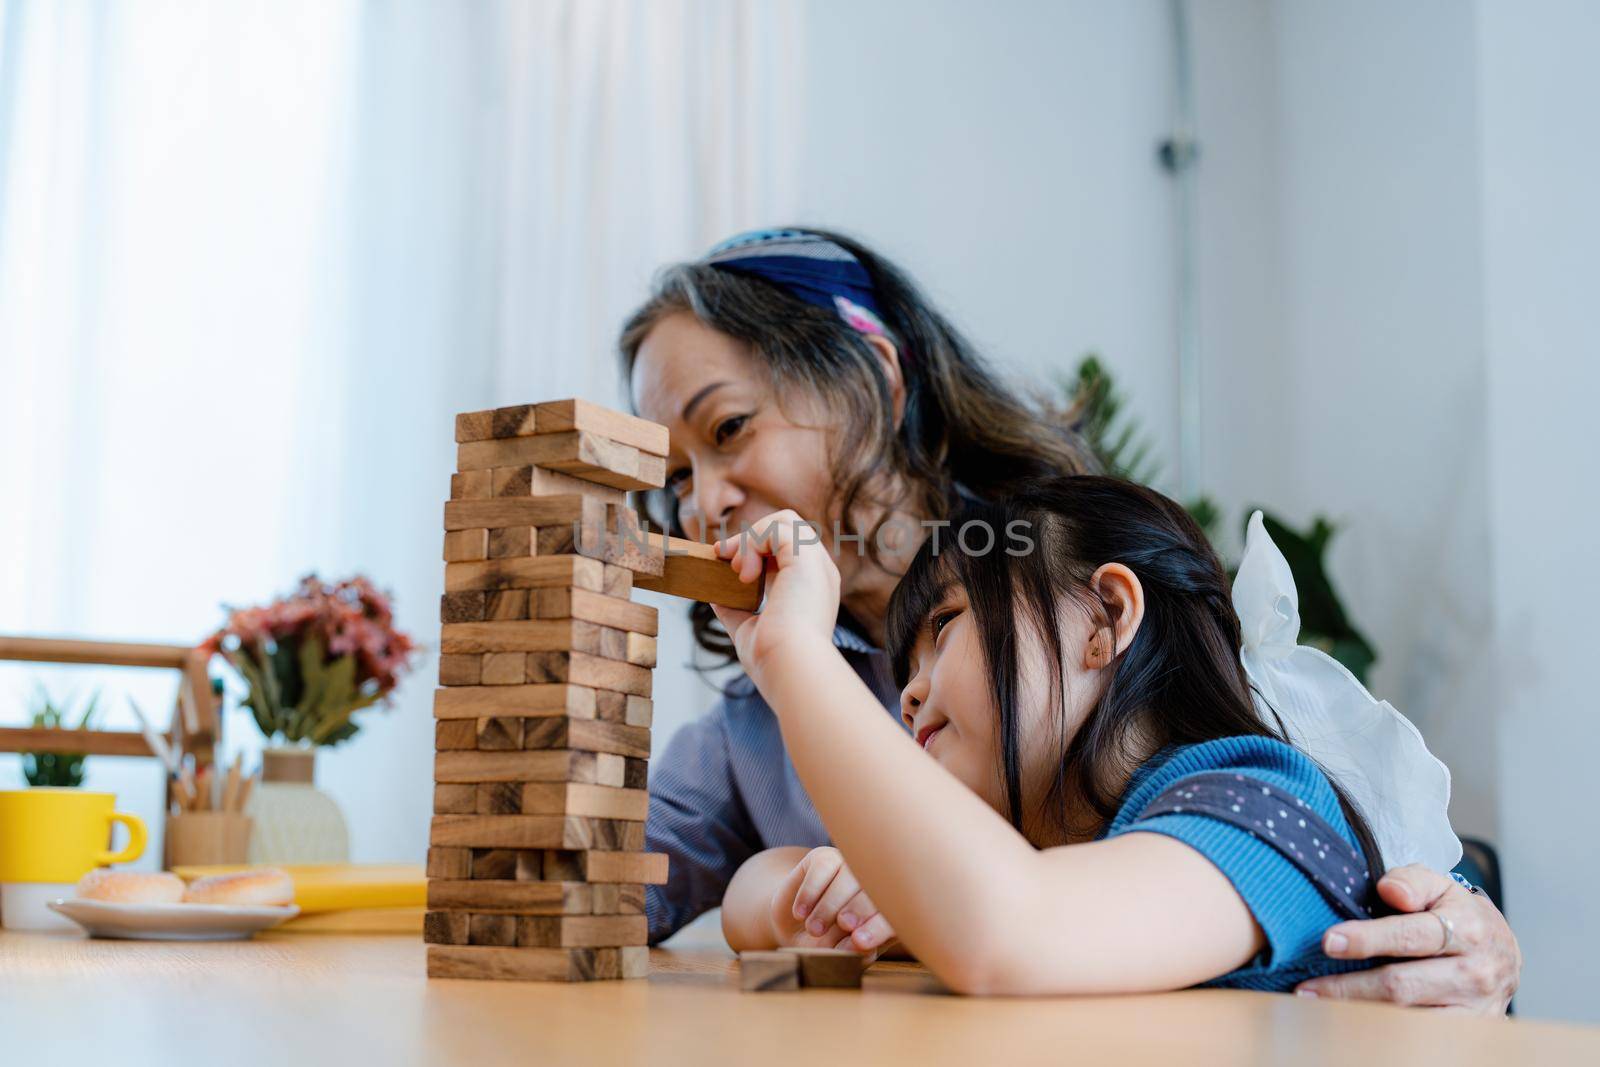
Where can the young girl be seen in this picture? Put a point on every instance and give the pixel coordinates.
(1104, 811)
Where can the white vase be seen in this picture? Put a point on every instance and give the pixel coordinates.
(295, 822)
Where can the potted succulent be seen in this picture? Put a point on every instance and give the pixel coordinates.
(310, 661)
(61, 769)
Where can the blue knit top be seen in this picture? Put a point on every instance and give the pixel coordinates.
(1292, 910)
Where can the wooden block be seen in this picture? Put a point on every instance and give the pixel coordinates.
(496, 798)
(618, 899)
(640, 711)
(465, 546)
(580, 668)
(506, 605)
(445, 928)
(528, 480)
(693, 571)
(534, 831)
(586, 735)
(471, 485)
(619, 613)
(449, 863)
(487, 929)
(474, 426)
(625, 544)
(640, 649)
(558, 415)
(545, 765)
(643, 868)
(530, 867)
(580, 931)
(514, 511)
(521, 701)
(533, 635)
(454, 735)
(613, 644)
(653, 469)
(493, 864)
(768, 972)
(535, 964)
(516, 421)
(462, 607)
(534, 572)
(460, 670)
(828, 968)
(616, 581)
(610, 706)
(450, 798)
(574, 798)
(586, 456)
(501, 734)
(512, 897)
(510, 542)
(505, 668)
(635, 774)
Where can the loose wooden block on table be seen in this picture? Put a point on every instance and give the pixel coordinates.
(569, 832)
(693, 571)
(828, 968)
(769, 972)
(537, 964)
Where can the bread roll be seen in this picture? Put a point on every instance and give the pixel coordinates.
(263, 886)
(130, 887)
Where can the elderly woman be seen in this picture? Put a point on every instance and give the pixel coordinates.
(798, 370)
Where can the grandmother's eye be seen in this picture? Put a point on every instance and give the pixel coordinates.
(728, 427)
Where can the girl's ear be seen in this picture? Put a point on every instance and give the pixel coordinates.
(1119, 590)
(889, 363)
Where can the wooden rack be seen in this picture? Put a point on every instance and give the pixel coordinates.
(196, 722)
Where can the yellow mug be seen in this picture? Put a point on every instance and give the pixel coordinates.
(60, 835)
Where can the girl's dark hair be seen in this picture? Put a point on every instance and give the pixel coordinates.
(1179, 681)
(962, 426)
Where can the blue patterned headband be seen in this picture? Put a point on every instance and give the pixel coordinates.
(806, 266)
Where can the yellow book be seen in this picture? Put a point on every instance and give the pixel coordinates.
(342, 886)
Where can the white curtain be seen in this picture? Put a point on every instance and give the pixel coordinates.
(253, 257)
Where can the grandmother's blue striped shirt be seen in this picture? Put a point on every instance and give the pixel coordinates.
(724, 789)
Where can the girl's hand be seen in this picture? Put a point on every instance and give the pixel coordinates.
(822, 905)
(802, 596)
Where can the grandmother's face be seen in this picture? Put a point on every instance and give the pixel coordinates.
(736, 454)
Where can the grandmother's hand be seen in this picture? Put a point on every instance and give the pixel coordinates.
(1478, 971)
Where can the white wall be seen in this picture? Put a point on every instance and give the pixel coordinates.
(1541, 228)
(1006, 157)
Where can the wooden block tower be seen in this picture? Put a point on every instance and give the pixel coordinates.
(536, 860)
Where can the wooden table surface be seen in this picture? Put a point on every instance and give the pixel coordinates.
(364, 1002)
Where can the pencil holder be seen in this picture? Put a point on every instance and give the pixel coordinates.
(207, 838)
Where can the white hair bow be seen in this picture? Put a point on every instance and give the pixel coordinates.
(1367, 746)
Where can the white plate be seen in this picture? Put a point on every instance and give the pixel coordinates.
(172, 922)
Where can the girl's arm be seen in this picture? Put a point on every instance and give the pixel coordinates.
(747, 913)
(967, 894)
